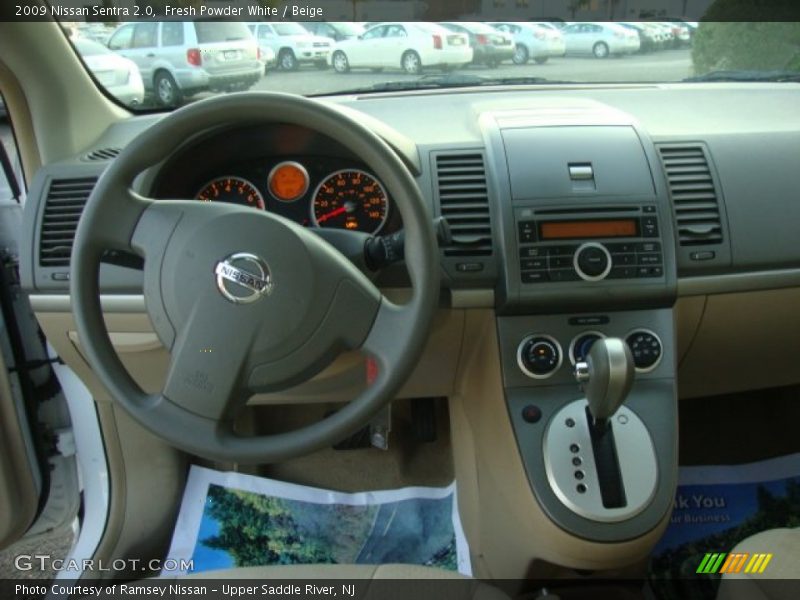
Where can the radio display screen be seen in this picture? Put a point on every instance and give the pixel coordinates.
(577, 230)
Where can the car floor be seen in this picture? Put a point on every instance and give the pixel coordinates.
(739, 428)
(407, 462)
(56, 544)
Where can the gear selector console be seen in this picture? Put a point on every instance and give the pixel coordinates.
(602, 458)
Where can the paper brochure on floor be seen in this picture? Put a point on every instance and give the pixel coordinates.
(232, 520)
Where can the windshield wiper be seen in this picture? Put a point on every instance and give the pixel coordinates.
(451, 80)
(733, 75)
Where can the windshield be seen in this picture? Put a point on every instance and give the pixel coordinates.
(182, 61)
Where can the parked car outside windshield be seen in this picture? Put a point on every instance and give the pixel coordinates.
(182, 61)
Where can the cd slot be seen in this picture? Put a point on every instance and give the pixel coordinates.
(587, 210)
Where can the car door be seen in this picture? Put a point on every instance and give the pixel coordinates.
(395, 42)
(575, 38)
(22, 481)
(121, 41)
(144, 48)
(267, 37)
(367, 51)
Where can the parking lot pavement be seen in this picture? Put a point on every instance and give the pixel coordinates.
(667, 65)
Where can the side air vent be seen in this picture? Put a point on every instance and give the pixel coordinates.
(464, 202)
(693, 195)
(102, 154)
(62, 210)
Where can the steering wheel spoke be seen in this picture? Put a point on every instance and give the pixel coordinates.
(208, 364)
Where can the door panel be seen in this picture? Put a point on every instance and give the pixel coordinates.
(19, 488)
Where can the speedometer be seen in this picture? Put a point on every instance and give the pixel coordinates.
(350, 199)
(235, 190)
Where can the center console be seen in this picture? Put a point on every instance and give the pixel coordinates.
(584, 314)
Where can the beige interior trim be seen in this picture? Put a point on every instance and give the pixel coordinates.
(21, 121)
(49, 84)
(19, 489)
(739, 282)
(504, 522)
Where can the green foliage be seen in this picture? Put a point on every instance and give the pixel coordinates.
(762, 46)
(753, 10)
(259, 530)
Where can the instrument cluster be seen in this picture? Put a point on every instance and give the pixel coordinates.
(314, 192)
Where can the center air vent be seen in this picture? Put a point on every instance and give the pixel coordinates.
(693, 194)
(102, 154)
(464, 202)
(62, 210)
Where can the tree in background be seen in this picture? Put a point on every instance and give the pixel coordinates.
(575, 5)
(749, 35)
(259, 530)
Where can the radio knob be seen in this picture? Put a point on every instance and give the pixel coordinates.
(592, 261)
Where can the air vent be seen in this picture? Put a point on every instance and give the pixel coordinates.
(693, 194)
(65, 201)
(102, 154)
(464, 202)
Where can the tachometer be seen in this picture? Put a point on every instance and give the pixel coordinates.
(235, 190)
(350, 199)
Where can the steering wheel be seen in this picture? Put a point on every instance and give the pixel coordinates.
(248, 301)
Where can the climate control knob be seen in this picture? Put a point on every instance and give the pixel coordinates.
(592, 261)
(539, 356)
(646, 349)
(581, 344)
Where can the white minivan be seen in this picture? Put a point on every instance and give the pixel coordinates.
(178, 59)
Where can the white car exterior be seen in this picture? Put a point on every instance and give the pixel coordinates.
(407, 46)
(117, 74)
(600, 39)
(533, 41)
(292, 44)
(178, 59)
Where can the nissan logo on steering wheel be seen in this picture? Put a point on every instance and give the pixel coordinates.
(243, 278)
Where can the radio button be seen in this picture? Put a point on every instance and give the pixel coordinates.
(531, 252)
(561, 250)
(649, 271)
(534, 276)
(623, 248)
(648, 247)
(649, 227)
(623, 273)
(560, 262)
(623, 259)
(592, 261)
(650, 259)
(534, 263)
(564, 275)
(527, 231)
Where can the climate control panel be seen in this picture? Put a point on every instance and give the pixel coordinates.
(544, 349)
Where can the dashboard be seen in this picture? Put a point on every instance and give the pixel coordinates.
(677, 195)
(659, 215)
(306, 179)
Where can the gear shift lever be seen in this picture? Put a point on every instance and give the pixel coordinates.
(607, 376)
